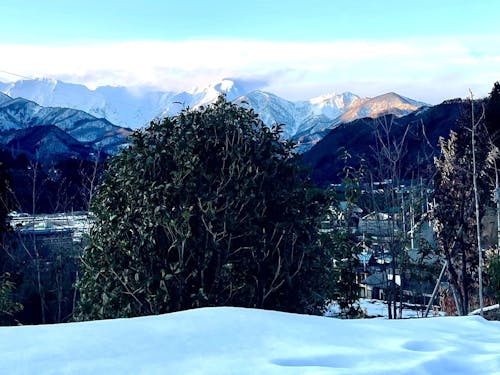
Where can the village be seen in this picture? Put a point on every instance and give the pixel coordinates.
(395, 253)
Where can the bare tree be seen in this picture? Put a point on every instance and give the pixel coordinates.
(389, 151)
(457, 212)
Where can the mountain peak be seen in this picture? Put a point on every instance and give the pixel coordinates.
(333, 96)
(389, 103)
(225, 85)
(230, 87)
(394, 98)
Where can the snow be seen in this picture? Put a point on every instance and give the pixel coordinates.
(135, 108)
(226, 340)
(485, 309)
(373, 308)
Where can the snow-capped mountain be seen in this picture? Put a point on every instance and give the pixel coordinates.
(305, 121)
(119, 105)
(390, 103)
(333, 105)
(420, 130)
(20, 113)
(206, 95)
(298, 116)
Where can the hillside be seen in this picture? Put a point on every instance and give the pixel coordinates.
(22, 114)
(47, 143)
(359, 139)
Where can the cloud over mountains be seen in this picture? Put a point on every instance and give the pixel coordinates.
(296, 70)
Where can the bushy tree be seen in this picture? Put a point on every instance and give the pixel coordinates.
(344, 251)
(205, 208)
(342, 245)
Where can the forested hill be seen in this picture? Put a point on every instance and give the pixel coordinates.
(420, 132)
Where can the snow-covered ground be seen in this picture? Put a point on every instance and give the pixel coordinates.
(227, 340)
(373, 308)
(376, 308)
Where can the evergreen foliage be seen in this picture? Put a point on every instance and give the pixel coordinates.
(492, 113)
(8, 307)
(4, 202)
(205, 208)
(344, 249)
(494, 276)
(342, 245)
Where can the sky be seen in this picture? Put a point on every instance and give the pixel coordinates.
(427, 50)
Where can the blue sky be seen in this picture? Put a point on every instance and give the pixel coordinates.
(429, 50)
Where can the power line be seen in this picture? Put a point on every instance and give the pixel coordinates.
(14, 74)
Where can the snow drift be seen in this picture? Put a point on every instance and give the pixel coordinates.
(227, 340)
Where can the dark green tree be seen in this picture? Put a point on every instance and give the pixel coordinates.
(4, 201)
(493, 272)
(492, 114)
(205, 208)
(343, 250)
(8, 307)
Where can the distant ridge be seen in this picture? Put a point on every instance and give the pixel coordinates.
(305, 121)
(74, 132)
(358, 137)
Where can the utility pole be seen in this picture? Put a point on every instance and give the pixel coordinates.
(436, 289)
(476, 201)
(496, 196)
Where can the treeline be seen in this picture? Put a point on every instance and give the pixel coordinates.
(34, 187)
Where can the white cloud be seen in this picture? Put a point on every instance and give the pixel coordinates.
(420, 67)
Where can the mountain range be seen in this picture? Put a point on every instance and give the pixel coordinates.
(416, 135)
(323, 127)
(53, 132)
(304, 121)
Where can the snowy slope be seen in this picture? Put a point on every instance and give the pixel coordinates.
(390, 103)
(134, 108)
(4, 98)
(118, 105)
(274, 110)
(299, 116)
(229, 340)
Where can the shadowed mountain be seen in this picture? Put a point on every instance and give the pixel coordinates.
(47, 143)
(20, 113)
(421, 131)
